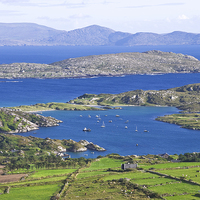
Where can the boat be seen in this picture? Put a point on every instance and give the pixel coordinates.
(117, 115)
(127, 121)
(89, 116)
(126, 127)
(146, 131)
(136, 129)
(103, 125)
(110, 121)
(87, 129)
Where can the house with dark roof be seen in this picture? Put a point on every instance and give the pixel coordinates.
(164, 155)
(128, 166)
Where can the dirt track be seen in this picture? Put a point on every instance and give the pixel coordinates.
(9, 178)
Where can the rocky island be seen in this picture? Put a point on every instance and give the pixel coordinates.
(150, 62)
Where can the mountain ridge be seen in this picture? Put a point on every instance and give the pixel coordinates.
(31, 34)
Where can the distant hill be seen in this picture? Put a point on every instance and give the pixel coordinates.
(19, 34)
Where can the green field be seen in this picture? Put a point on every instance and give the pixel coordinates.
(51, 172)
(170, 165)
(104, 179)
(43, 192)
(104, 163)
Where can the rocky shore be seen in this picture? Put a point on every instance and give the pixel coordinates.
(81, 146)
(15, 121)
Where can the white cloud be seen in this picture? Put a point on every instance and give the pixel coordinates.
(79, 16)
(156, 5)
(10, 13)
(183, 17)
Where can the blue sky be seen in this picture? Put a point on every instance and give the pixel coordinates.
(158, 16)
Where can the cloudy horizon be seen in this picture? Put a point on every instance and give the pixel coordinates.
(127, 16)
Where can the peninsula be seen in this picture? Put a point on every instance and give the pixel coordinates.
(185, 98)
(150, 62)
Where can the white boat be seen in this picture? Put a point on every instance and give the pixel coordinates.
(126, 127)
(103, 125)
(87, 129)
(136, 129)
(110, 121)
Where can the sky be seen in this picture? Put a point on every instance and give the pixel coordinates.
(132, 16)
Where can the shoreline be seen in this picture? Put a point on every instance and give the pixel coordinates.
(92, 76)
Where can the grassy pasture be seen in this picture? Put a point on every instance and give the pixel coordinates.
(153, 181)
(190, 173)
(176, 188)
(185, 197)
(104, 163)
(92, 173)
(131, 175)
(91, 188)
(51, 172)
(43, 192)
(170, 165)
(97, 182)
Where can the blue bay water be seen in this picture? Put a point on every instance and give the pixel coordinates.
(161, 138)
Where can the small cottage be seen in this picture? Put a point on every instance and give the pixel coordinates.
(128, 166)
(164, 155)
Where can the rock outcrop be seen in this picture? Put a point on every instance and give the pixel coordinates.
(82, 145)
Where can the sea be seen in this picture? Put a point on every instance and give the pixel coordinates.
(120, 135)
